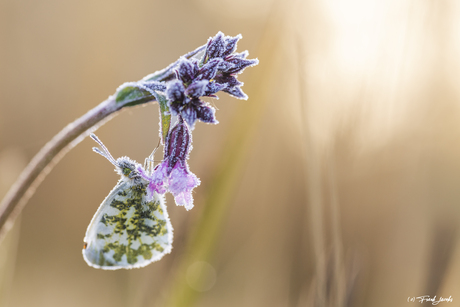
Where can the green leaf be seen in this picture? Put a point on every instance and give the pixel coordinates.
(165, 116)
(131, 95)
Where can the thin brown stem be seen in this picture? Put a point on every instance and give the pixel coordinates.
(21, 191)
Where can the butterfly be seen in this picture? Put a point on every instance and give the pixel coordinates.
(131, 228)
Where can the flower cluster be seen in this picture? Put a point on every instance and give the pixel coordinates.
(216, 71)
(192, 83)
(223, 47)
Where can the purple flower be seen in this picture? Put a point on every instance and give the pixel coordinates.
(157, 181)
(181, 183)
(216, 72)
(192, 83)
(172, 174)
(222, 47)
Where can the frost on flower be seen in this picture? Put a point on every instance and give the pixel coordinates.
(223, 47)
(214, 73)
(191, 84)
(172, 174)
(194, 78)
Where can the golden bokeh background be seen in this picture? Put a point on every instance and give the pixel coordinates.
(341, 173)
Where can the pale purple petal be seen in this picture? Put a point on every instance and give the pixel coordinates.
(182, 180)
(184, 199)
(143, 174)
(181, 184)
(158, 179)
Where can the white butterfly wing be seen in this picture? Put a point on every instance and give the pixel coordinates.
(128, 231)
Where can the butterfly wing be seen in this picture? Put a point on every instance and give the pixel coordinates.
(128, 231)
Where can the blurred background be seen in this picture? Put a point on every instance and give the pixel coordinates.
(335, 184)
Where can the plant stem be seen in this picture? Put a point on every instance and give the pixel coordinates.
(21, 191)
(168, 73)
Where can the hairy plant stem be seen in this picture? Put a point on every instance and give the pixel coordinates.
(24, 187)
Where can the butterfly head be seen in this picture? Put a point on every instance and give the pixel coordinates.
(124, 166)
(127, 167)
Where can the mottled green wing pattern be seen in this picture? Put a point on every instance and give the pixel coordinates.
(128, 231)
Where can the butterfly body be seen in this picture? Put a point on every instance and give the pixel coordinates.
(131, 228)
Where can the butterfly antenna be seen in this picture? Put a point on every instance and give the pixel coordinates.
(104, 152)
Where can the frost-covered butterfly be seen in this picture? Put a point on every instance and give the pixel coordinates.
(131, 228)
